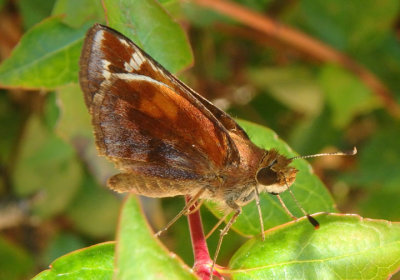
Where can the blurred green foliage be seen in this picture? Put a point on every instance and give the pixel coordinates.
(49, 168)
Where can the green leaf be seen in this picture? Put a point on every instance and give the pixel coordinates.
(308, 189)
(139, 254)
(46, 165)
(377, 175)
(346, 95)
(15, 263)
(61, 244)
(357, 26)
(173, 8)
(384, 61)
(202, 17)
(74, 123)
(77, 12)
(312, 135)
(51, 111)
(85, 213)
(378, 165)
(46, 57)
(95, 263)
(293, 86)
(380, 203)
(11, 119)
(34, 11)
(150, 26)
(345, 247)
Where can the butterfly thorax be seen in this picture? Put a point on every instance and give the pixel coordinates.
(236, 182)
(266, 169)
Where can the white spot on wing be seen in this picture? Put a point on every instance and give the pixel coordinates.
(105, 63)
(137, 59)
(134, 64)
(106, 72)
(136, 77)
(128, 67)
(140, 56)
(98, 38)
(124, 42)
(153, 66)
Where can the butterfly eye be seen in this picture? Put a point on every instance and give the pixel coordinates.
(265, 176)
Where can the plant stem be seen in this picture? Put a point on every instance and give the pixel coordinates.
(202, 260)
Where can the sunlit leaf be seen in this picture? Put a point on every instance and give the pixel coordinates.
(344, 247)
(150, 26)
(46, 57)
(139, 254)
(95, 262)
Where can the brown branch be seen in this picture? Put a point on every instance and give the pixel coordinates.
(304, 43)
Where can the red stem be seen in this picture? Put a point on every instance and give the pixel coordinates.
(202, 260)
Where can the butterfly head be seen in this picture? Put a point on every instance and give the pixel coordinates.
(275, 175)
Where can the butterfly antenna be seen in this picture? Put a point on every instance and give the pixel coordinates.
(349, 153)
(312, 221)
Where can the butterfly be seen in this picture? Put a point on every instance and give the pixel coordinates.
(166, 139)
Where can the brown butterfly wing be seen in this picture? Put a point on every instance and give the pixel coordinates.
(144, 118)
(226, 120)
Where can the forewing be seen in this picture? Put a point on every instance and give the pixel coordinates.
(230, 124)
(141, 114)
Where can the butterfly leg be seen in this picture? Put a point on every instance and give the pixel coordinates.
(237, 210)
(257, 197)
(195, 209)
(217, 225)
(183, 211)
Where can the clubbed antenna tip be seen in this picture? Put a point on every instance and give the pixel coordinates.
(349, 153)
(313, 221)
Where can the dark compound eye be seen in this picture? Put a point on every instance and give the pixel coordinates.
(266, 177)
